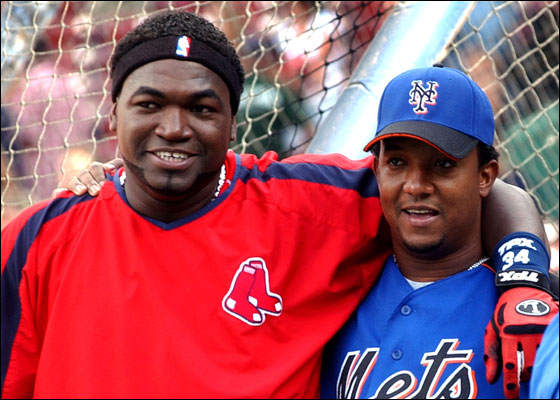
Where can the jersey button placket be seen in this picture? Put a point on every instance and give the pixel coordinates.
(406, 310)
(397, 354)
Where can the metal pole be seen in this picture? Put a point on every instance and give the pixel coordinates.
(415, 35)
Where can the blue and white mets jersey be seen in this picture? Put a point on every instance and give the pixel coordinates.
(424, 343)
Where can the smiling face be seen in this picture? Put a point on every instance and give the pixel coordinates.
(174, 125)
(431, 202)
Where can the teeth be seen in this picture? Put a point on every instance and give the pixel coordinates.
(419, 212)
(167, 156)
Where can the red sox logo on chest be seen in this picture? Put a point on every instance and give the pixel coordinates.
(249, 297)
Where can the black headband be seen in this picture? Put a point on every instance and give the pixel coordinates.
(179, 48)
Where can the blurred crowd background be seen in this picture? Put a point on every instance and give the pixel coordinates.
(298, 56)
(55, 78)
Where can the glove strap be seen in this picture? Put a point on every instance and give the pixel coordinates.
(521, 259)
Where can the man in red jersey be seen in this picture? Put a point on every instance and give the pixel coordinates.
(190, 274)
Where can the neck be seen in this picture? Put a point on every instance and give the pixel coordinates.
(420, 268)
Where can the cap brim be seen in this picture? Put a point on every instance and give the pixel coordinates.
(449, 141)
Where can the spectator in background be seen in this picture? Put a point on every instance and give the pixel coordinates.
(57, 110)
(55, 118)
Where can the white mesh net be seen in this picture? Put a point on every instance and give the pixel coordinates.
(511, 50)
(298, 56)
(55, 83)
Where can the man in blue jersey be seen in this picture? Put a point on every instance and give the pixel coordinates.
(419, 332)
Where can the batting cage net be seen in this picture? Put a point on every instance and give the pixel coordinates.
(298, 57)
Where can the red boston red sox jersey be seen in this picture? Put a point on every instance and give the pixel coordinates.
(235, 300)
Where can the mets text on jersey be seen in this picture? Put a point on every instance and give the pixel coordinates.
(460, 384)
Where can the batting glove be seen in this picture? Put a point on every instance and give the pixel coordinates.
(514, 333)
(523, 311)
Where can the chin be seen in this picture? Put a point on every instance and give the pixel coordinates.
(170, 184)
(423, 247)
(168, 195)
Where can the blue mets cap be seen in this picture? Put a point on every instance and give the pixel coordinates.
(438, 105)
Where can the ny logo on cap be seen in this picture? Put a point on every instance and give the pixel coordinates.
(183, 46)
(420, 96)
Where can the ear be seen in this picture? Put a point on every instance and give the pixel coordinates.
(487, 174)
(113, 117)
(233, 132)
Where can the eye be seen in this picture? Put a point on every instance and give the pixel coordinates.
(148, 105)
(395, 161)
(202, 108)
(446, 163)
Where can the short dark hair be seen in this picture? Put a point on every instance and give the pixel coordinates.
(485, 153)
(178, 23)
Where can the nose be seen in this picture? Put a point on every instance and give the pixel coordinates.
(174, 125)
(417, 183)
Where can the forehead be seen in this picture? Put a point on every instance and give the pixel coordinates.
(175, 76)
(407, 144)
(415, 147)
(420, 149)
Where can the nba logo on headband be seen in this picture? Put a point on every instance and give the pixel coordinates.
(183, 46)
